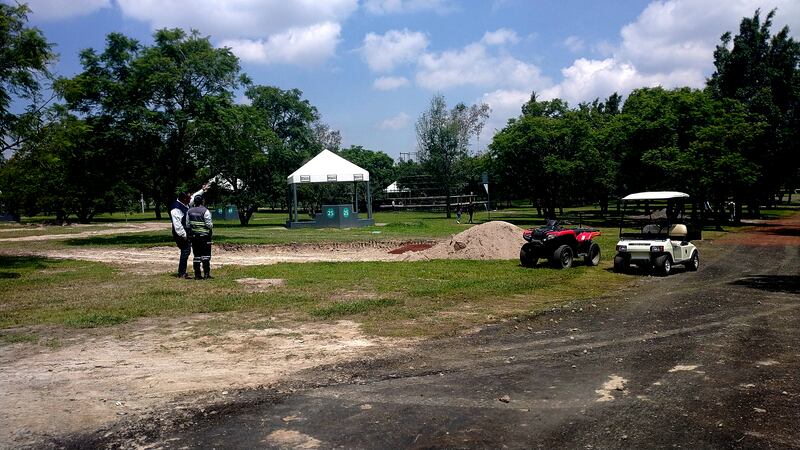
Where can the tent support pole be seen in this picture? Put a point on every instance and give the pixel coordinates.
(294, 201)
(369, 201)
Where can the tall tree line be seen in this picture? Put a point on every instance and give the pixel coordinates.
(146, 120)
(736, 139)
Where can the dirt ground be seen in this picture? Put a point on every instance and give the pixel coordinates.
(95, 377)
(94, 231)
(491, 240)
(706, 359)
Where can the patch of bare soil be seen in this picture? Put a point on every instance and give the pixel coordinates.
(261, 284)
(96, 378)
(785, 231)
(112, 229)
(410, 248)
(159, 259)
(490, 240)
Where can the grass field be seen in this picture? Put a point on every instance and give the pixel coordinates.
(388, 298)
(399, 299)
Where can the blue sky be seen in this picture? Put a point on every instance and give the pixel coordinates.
(372, 66)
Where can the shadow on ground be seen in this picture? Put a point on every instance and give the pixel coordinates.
(772, 283)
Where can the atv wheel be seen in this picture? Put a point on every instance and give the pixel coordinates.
(694, 262)
(663, 265)
(621, 264)
(593, 257)
(562, 257)
(526, 257)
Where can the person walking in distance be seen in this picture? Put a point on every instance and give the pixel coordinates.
(200, 227)
(470, 210)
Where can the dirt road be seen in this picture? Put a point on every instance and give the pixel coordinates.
(709, 359)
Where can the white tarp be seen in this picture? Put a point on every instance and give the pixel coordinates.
(328, 167)
(393, 189)
(655, 195)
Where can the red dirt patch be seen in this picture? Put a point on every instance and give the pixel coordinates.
(410, 248)
(781, 232)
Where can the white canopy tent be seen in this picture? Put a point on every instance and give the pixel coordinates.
(327, 167)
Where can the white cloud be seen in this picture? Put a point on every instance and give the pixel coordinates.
(385, 52)
(500, 37)
(382, 7)
(683, 33)
(302, 46)
(505, 104)
(474, 65)
(61, 9)
(390, 83)
(395, 123)
(237, 18)
(574, 44)
(587, 79)
(670, 44)
(304, 32)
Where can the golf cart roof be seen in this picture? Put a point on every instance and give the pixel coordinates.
(655, 195)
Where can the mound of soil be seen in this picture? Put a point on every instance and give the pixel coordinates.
(490, 240)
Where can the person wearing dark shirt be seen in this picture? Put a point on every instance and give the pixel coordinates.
(199, 228)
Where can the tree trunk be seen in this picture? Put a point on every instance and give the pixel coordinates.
(447, 201)
(604, 204)
(246, 215)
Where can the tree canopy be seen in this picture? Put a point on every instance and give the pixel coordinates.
(25, 56)
(443, 137)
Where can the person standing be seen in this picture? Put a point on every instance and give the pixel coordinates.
(200, 227)
(470, 210)
(177, 213)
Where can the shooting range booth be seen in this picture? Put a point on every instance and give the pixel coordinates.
(328, 167)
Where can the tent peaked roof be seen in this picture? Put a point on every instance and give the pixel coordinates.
(327, 167)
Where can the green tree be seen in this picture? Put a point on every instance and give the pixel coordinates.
(761, 70)
(684, 139)
(24, 58)
(443, 139)
(65, 171)
(235, 146)
(549, 154)
(143, 100)
(292, 119)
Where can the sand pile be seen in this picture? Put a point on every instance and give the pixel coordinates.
(490, 240)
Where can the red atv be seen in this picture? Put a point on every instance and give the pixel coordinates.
(559, 245)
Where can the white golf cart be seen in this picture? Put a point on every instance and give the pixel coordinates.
(653, 233)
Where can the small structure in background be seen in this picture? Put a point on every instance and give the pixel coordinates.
(227, 212)
(328, 167)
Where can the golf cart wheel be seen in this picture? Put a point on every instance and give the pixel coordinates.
(593, 257)
(663, 265)
(562, 257)
(526, 257)
(620, 264)
(694, 262)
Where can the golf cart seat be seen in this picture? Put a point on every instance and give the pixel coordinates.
(678, 230)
